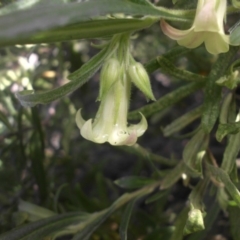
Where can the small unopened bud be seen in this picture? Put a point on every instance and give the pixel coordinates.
(109, 75)
(195, 222)
(140, 78)
(230, 81)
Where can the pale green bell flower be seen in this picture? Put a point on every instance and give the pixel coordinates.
(207, 27)
(110, 124)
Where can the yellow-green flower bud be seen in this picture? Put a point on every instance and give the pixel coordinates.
(195, 222)
(109, 75)
(140, 78)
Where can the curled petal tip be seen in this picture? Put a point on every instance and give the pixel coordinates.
(79, 120)
(141, 127)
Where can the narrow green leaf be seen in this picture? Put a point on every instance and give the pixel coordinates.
(197, 194)
(235, 36)
(221, 176)
(78, 78)
(142, 2)
(34, 211)
(146, 154)
(173, 176)
(182, 121)
(180, 224)
(231, 153)
(172, 54)
(125, 220)
(19, 5)
(160, 233)
(37, 154)
(53, 223)
(212, 99)
(168, 67)
(166, 101)
(227, 128)
(5, 121)
(234, 216)
(48, 15)
(91, 29)
(194, 151)
(97, 219)
(157, 196)
(133, 182)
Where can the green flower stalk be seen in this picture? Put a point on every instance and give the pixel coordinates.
(207, 27)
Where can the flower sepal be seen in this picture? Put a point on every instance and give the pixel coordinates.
(140, 78)
(109, 75)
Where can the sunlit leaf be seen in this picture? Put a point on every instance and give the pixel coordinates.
(78, 78)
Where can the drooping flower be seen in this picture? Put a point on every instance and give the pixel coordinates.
(110, 124)
(207, 27)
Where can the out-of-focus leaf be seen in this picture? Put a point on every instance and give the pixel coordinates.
(231, 153)
(146, 154)
(83, 223)
(133, 182)
(91, 29)
(98, 218)
(34, 212)
(157, 196)
(48, 15)
(18, 5)
(227, 128)
(125, 220)
(196, 196)
(222, 177)
(180, 224)
(45, 226)
(173, 176)
(78, 78)
(168, 67)
(37, 156)
(172, 54)
(234, 216)
(5, 121)
(235, 36)
(160, 233)
(142, 2)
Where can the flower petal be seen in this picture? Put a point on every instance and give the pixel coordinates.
(88, 133)
(79, 120)
(192, 40)
(217, 43)
(139, 128)
(172, 32)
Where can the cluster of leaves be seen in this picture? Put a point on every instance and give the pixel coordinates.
(42, 162)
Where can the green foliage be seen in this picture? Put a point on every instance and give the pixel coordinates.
(174, 183)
